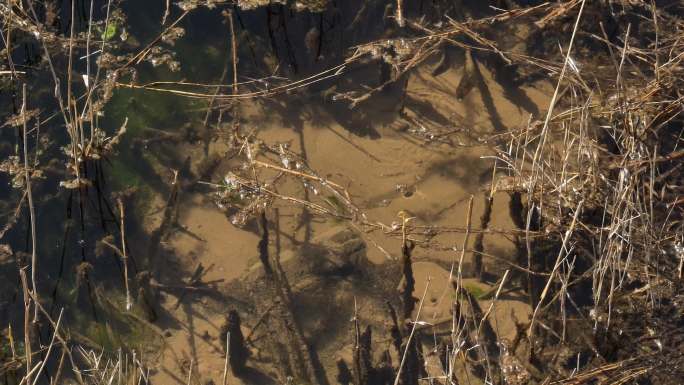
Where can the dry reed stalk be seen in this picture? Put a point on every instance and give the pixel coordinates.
(190, 373)
(124, 256)
(410, 336)
(234, 60)
(478, 252)
(491, 305)
(552, 104)
(537, 172)
(562, 254)
(32, 212)
(329, 73)
(459, 272)
(63, 342)
(49, 350)
(400, 14)
(167, 12)
(27, 321)
(225, 364)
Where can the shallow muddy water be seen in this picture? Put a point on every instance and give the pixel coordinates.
(420, 149)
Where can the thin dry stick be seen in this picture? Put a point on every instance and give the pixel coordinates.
(559, 260)
(124, 256)
(69, 70)
(491, 305)
(413, 329)
(60, 366)
(192, 363)
(465, 240)
(32, 212)
(63, 342)
(552, 104)
(87, 55)
(536, 157)
(11, 342)
(225, 364)
(262, 318)
(52, 343)
(27, 311)
(460, 260)
(167, 11)
(140, 56)
(30, 372)
(87, 105)
(233, 51)
(300, 174)
(463, 250)
(8, 47)
(400, 13)
(681, 263)
(267, 92)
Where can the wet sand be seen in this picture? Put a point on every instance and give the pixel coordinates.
(439, 178)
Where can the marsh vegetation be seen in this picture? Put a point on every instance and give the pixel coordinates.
(341, 192)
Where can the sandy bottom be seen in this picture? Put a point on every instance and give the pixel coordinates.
(377, 172)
